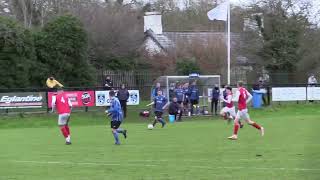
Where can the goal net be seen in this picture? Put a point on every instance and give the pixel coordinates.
(204, 83)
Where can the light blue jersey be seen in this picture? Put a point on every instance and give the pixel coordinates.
(115, 110)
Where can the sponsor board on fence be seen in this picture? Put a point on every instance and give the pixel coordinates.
(289, 94)
(77, 98)
(313, 93)
(22, 100)
(102, 98)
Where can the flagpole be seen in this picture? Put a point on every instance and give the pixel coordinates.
(229, 43)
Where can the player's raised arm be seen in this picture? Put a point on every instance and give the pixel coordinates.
(150, 104)
(69, 103)
(53, 103)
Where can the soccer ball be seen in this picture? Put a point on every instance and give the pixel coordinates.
(150, 126)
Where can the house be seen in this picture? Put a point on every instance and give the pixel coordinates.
(161, 42)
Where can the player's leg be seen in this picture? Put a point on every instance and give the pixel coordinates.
(120, 130)
(62, 122)
(189, 107)
(180, 111)
(246, 117)
(235, 127)
(68, 129)
(160, 119)
(192, 107)
(114, 126)
(223, 112)
(155, 119)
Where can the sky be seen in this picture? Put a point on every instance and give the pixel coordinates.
(314, 16)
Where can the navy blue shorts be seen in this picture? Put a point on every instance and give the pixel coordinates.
(158, 114)
(115, 124)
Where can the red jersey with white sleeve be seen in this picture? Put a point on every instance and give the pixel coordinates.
(243, 97)
(63, 103)
(228, 101)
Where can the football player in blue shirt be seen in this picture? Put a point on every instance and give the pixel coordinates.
(194, 96)
(179, 94)
(115, 112)
(159, 103)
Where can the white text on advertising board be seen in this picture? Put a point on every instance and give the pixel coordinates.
(15, 99)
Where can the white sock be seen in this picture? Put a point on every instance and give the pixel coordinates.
(68, 139)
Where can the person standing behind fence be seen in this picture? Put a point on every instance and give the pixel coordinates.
(108, 84)
(224, 94)
(123, 96)
(312, 82)
(215, 99)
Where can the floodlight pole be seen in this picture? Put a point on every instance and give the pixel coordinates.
(229, 44)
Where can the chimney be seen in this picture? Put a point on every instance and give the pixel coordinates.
(153, 21)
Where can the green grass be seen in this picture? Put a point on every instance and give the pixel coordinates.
(32, 148)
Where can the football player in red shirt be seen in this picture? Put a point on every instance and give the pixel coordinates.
(63, 105)
(243, 97)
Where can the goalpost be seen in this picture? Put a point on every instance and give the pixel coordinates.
(205, 84)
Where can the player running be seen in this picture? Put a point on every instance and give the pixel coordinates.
(116, 115)
(229, 111)
(63, 105)
(243, 97)
(160, 102)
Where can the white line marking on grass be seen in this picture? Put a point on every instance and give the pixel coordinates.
(256, 168)
(83, 163)
(155, 165)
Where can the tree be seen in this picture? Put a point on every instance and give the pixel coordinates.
(187, 66)
(62, 45)
(115, 34)
(17, 55)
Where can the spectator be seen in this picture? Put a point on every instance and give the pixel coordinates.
(108, 84)
(174, 108)
(155, 90)
(215, 99)
(123, 96)
(194, 96)
(263, 90)
(52, 83)
(224, 94)
(312, 81)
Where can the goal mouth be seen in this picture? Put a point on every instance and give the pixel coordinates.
(205, 84)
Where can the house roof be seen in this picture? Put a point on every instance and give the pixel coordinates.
(169, 40)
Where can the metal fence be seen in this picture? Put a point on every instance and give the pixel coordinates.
(145, 92)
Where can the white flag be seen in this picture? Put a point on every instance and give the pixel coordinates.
(219, 13)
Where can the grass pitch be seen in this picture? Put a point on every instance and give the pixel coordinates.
(31, 148)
